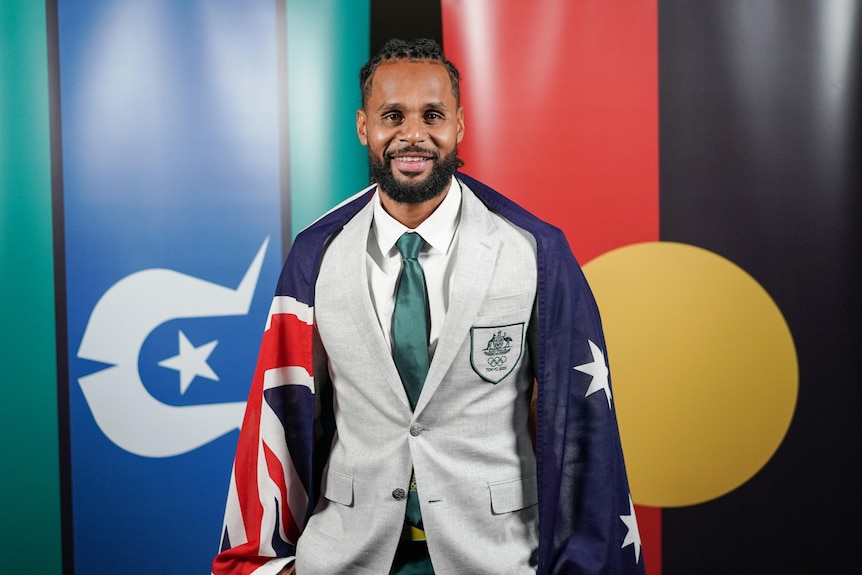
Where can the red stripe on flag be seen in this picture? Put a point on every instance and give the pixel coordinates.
(236, 561)
(276, 473)
(274, 354)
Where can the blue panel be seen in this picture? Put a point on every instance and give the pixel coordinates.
(172, 216)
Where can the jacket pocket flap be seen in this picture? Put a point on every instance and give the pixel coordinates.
(504, 304)
(513, 494)
(339, 488)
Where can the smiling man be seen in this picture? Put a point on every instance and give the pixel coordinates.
(411, 122)
(389, 427)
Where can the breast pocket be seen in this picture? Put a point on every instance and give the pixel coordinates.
(506, 304)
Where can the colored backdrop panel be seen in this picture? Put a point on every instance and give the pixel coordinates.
(171, 183)
(561, 111)
(29, 480)
(327, 43)
(760, 148)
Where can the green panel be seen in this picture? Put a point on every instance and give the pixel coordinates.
(327, 43)
(29, 474)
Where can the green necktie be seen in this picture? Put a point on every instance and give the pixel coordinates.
(410, 338)
(410, 319)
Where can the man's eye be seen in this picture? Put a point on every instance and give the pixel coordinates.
(392, 117)
(433, 116)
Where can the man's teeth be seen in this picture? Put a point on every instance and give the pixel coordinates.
(410, 159)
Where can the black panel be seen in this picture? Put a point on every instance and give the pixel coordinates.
(405, 19)
(760, 150)
(52, 25)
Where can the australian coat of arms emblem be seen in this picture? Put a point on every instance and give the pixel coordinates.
(495, 351)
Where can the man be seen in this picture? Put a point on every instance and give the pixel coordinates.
(388, 428)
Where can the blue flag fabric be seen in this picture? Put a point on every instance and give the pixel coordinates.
(587, 522)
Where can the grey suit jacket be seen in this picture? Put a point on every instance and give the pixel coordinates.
(468, 439)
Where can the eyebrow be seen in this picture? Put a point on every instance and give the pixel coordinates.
(387, 106)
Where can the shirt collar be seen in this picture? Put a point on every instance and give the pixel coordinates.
(437, 230)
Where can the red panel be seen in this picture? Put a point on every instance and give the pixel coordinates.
(649, 523)
(561, 108)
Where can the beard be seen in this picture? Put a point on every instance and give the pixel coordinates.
(413, 192)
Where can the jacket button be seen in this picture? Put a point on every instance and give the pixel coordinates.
(399, 494)
(415, 430)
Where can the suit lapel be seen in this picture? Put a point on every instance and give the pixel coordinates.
(476, 257)
(354, 238)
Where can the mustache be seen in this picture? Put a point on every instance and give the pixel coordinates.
(433, 154)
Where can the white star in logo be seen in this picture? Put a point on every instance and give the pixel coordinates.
(191, 362)
(633, 537)
(599, 370)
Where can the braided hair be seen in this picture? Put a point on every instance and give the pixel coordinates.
(422, 49)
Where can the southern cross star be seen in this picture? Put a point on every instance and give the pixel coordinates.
(599, 370)
(191, 362)
(633, 536)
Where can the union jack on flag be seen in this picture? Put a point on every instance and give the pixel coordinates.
(268, 498)
(278, 465)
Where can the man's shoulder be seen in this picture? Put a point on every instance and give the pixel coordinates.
(516, 214)
(317, 233)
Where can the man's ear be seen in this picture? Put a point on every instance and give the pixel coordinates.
(460, 119)
(361, 127)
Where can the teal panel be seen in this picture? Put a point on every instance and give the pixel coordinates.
(327, 43)
(29, 475)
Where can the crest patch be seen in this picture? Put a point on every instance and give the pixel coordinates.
(495, 351)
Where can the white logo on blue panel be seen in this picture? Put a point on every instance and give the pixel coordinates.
(122, 319)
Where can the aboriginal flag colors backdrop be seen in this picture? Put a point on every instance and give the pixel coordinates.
(157, 157)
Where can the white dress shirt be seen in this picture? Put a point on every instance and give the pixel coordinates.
(437, 258)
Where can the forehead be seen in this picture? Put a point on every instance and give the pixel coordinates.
(404, 81)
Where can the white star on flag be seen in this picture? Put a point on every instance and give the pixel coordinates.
(633, 536)
(191, 362)
(599, 370)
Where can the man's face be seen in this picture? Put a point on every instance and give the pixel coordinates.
(411, 124)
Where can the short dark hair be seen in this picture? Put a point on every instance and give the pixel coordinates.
(422, 49)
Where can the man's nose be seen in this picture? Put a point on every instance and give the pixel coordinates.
(413, 130)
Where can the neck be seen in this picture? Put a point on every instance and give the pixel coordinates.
(411, 215)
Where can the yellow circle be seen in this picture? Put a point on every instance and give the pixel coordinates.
(704, 369)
